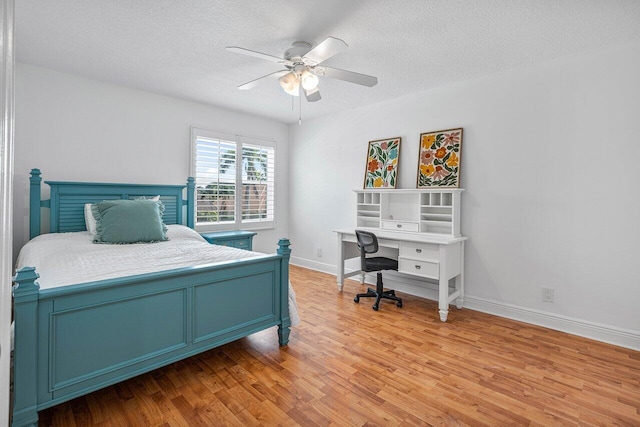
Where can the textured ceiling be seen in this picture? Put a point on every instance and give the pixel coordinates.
(177, 47)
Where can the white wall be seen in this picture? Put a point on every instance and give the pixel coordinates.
(550, 167)
(76, 129)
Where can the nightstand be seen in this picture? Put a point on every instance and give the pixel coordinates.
(236, 239)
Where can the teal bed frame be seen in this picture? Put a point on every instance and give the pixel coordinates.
(72, 340)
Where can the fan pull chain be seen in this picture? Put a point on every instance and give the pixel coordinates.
(300, 110)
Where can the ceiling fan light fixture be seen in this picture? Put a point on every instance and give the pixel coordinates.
(308, 80)
(290, 83)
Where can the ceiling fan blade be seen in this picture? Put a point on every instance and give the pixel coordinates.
(348, 76)
(253, 83)
(253, 53)
(312, 95)
(326, 49)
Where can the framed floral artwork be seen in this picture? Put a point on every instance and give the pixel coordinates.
(382, 163)
(439, 160)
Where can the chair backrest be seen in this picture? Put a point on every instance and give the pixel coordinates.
(367, 242)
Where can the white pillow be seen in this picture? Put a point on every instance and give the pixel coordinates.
(90, 221)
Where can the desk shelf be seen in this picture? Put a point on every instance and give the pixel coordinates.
(433, 211)
(369, 209)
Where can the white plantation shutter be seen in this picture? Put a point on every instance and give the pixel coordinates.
(215, 174)
(235, 180)
(258, 181)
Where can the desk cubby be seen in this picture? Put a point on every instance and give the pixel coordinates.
(433, 211)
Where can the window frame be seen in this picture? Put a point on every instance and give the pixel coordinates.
(240, 141)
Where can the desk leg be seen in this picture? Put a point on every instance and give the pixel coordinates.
(443, 296)
(340, 274)
(443, 286)
(460, 278)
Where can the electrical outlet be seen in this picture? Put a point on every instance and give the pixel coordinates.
(548, 295)
(319, 252)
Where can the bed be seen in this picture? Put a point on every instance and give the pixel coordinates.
(73, 338)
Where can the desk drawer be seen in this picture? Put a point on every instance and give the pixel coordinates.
(419, 251)
(419, 268)
(399, 225)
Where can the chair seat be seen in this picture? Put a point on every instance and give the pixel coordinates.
(380, 263)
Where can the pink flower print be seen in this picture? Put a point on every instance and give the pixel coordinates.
(440, 173)
(426, 157)
(384, 145)
(451, 138)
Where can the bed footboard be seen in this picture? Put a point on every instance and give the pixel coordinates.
(73, 340)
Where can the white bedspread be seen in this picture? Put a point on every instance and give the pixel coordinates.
(63, 259)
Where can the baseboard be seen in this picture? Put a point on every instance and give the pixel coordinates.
(313, 265)
(583, 328)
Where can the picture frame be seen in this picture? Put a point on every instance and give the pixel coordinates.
(381, 169)
(439, 159)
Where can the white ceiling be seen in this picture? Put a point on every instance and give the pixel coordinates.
(177, 47)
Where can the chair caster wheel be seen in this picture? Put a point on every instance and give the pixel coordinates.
(375, 307)
(399, 304)
(356, 300)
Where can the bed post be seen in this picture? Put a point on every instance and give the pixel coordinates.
(34, 203)
(284, 328)
(191, 201)
(25, 362)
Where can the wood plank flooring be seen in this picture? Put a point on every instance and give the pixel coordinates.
(347, 365)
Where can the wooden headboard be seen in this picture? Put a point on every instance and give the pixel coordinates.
(67, 200)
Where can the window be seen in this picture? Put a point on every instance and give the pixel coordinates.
(235, 180)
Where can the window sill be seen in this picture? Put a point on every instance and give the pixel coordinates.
(204, 228)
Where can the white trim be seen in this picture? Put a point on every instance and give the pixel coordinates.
(6, 198)
(583, 328)
(313, 265)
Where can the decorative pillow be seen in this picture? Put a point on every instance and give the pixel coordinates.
(129, 221)
(90, 221)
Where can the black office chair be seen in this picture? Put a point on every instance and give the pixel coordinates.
(368, 244)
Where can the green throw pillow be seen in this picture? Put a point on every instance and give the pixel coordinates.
(129, 221)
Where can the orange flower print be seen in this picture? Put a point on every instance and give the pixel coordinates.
(392, 164)
(427, 140)
(373, 165)
(378, 182)
(427, 169)
(453, 160)
(441, 152)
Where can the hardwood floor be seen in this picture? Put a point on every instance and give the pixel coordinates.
(347, 365)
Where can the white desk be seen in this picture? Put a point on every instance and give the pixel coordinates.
(419, 255)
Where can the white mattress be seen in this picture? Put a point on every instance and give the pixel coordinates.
(63, 259)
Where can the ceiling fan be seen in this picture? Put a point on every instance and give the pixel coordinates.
(302, 67)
